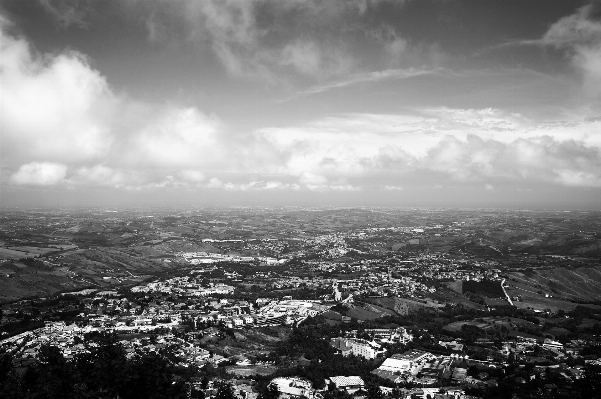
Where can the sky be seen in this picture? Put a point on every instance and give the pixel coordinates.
(405, 103)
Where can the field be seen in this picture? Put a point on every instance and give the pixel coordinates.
(553, 289)
(369, 312)
(245, 371)
(42, 284)
(456, 326)
(23, 252)
(583, 283)
(454, 298)
(489, 289)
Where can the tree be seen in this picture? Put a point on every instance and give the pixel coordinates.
(205, 382)
(590, 384)
(472, 371)
(52, 377)
(9, 382)
(374, 392)
(225, 391)
(272, 392)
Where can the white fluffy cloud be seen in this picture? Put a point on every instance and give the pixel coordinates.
(60, 121)
(40, 174)
(178, 138)
(53, 108)
(464, 145)
(62, 124)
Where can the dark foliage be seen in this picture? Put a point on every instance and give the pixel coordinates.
(104, 372)
(486, 288)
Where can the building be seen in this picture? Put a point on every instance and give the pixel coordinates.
(349, 384)
(406, 362)
(552, 345)
(357, 347)
(293, 387)
(341, 345)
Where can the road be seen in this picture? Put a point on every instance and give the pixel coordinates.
(506, 296)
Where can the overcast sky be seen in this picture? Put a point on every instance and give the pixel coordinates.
(399, 103)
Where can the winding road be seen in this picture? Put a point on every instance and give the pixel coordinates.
(506, 295)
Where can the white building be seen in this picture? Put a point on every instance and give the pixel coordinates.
(406, 362)
(357, 347)
(293, 387)
(351, 384)
(364, 349)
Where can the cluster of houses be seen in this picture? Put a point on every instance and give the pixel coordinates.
(295, 387)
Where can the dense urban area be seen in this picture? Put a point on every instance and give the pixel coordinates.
(315, 303)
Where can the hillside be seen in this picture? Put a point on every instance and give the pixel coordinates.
(580, 283)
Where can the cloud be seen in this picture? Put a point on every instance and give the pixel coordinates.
(247, 48)
(368, 77)
(580, 34)
(312, 178)
(52, 107)
(577, 29)
(63, 124)
(311, 58)
(39, 174)
(57, 110)
(439, 144)
(157, 32)
(281, 42)
(176, 138)
(332, 187)
(195, 176)
(100, 175)
(68, 13)
(260, 185)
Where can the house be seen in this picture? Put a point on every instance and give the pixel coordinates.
(453, 345)
(459, 374)
(238, 322)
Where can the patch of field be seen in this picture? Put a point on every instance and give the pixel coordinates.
(485, 288)
(586, 323)
(454, 298)
(386, 302)
(535, 295)
(583, 283)
(246, 371)
(42, 284)
(559, 331)
(364, 314)
(456, 326)
(496, 302)
(6, 253)
(33, 250)
(258, 336)
(456, 286)
(521, 322)
(332, 315)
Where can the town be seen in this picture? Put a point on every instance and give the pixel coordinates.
(330, 304)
